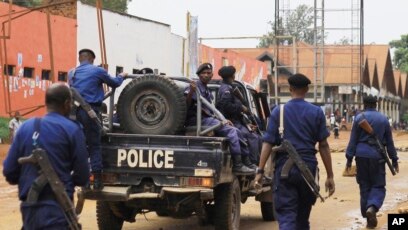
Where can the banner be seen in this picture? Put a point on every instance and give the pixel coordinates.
(193, 45)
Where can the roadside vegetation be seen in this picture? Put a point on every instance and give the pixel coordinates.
(4, 131)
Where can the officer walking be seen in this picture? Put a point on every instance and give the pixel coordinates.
(205, 73)
(64, 142)
(87, 79)
(304, 125)
(234, 110)
(370, 164)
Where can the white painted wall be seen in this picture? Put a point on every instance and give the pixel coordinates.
(131, 42)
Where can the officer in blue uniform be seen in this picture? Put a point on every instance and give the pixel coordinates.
(64, 142)
(234, 110)
(304, 126)
(370, 165)
(87, 79)
(205, 73)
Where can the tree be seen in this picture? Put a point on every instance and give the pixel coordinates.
(343, 41)
(401, 53)
(115, 5)
(27, 3)
(298, 24)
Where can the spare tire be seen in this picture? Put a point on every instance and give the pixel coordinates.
(152, 104)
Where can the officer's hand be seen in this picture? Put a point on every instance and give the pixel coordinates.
(330, 187)
(253, 127)
(123, 75)
(105, 66)
(245, 109)
(193, 86)
(257, 181)
(396, 166)
(349, 163)
(228, 122)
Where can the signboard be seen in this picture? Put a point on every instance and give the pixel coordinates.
(344, 89)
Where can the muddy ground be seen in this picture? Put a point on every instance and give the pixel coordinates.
(341, 211)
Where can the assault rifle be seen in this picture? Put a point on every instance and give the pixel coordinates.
(79, 100)
(249, 118)
(294, 158)
(368, 129)
(48, 176)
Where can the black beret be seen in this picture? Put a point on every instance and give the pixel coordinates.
(369, 99)
(298, 80)
(203, 66)
(227, 71)
(88, 51)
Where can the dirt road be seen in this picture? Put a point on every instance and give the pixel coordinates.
(341, 211)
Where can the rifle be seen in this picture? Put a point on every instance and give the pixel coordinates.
(48, 176)
(368, 129)
(249, 118)
(85, 106)
(294, 158)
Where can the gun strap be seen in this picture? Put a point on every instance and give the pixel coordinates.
(281, 127)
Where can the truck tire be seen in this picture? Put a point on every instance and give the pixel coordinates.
(152, 104)
(162, 213)
(105, 217)
(227, 198)
(268, 211)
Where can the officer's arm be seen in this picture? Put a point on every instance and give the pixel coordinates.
(227, 103)
(324, 150)
(109, 80)
(351, 147)
(79, 159)
(11, 167)
(392, 153)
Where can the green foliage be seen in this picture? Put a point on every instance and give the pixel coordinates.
(115, 5)
(4, 130)
(297, 24)
(27, 3)
(401, 53)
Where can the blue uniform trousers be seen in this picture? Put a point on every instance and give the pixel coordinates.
(371, 179)
(93, 138)
(254, 142)
(44, 214)
(293, 198)
(232, 133)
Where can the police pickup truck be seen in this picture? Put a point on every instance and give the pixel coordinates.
(153, 163)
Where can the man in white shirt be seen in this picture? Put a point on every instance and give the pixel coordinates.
(14, 124)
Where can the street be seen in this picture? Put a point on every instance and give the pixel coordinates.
(341, 211)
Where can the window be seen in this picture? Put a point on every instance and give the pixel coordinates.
(119, 69)
(9, 70)
(224, 61)
(46, 74)
(62, 76)
(28, 72)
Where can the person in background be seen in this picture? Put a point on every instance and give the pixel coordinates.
(88, 80)
(304, 125)
(14, 124)
(369, 162)
(64, 143)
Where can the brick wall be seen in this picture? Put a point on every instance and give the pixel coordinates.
(67, 10)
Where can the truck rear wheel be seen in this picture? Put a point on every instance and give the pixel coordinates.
(268, 211)
(152, 104)
(106, 218)
(227, 199)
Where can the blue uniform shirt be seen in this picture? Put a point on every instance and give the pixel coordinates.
(88, 80)
(359, 146)
(227, 103)
(205, 92)
(64, 142)
(304, 126)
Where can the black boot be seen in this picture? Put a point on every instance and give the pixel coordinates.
(97, 182)
(238, 167)
(371, 214)
(248, 163)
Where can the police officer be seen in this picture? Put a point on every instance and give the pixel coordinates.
(64, 142)
(234, 110)
(304, 125)
(205, 73)
(87, 79)
(370, 166)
